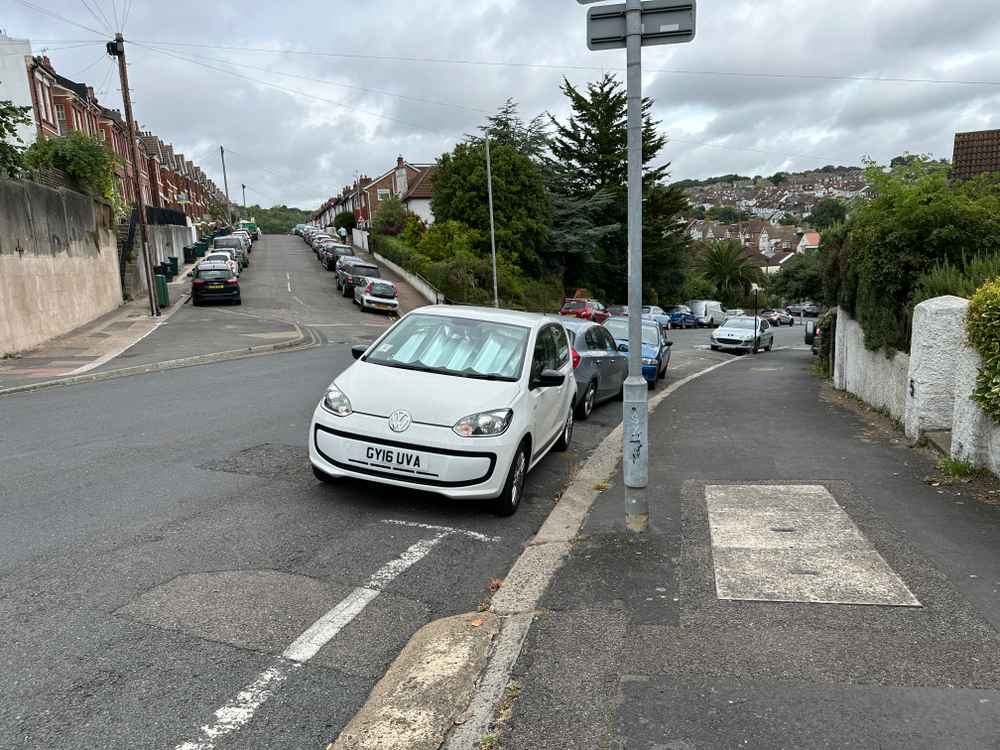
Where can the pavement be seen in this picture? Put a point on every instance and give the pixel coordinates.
(94, 344)
(801, 586)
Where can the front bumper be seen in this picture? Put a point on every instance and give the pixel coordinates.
(426, 457)
(733, 345)
(649, 372)
(380, 303)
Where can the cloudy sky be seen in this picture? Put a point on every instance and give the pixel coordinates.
(304, 94)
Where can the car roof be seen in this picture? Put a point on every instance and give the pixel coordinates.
(493, 314)
(576, 324)
(212, 265)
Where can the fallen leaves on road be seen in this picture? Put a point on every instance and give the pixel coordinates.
(601, 486)
(477, 622)
(494, 585)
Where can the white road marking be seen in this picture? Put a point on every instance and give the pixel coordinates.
(449, 529)
(794, 543)
(288, 278)
(239, 711)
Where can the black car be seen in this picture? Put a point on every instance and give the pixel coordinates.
(350, 275)
(214, 282)
(329, 253)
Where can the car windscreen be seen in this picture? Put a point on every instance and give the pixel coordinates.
(382, 289)
(619, 329)
(574, 304)
(454, 346)
(218, 258)
(740, 323)
(228, 242)
(214, 273)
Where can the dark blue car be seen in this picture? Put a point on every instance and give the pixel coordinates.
(681, 316)
(655, 349)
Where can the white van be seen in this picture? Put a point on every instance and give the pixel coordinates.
(708, 312)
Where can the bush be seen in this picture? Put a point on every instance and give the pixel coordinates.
(391, 217)
(959, 279)
(918, 218)
(345, 220)
(85, 160)
(982, 327)
(827, 322)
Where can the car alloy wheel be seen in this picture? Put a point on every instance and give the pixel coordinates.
(587, 402)
(566, 437)
(509, 500)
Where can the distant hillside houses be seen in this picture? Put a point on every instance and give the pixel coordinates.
(795, 194)
(767, 246)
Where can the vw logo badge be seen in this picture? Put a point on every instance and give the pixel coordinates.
(399, 421)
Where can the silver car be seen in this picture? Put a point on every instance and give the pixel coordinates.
(744, 333)
(377, 294)
(599, 368)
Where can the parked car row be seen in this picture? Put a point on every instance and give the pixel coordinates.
(356, 278)
(216, 277)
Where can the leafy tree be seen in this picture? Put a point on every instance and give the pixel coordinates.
(391, 217)
(728, 214)
(799, 279)
(828, 212)
(345, 220)
(277, 219)
(11, 148)
(521, 205)
(84, 159)
(414, 229)
(726, 266)
(593, 143)
(508, 128)
(778, 177)
(697, 212)
(665, 245)
(917, 219)
(788, 220)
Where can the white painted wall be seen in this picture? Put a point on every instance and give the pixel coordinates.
(426, 291)
(360, 238)
(873, 377)
(938, 335)
(422, 208)
(14, 81)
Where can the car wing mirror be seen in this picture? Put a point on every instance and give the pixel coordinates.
(358, 350)
(623, 347)
(548, 379)
(668, 344)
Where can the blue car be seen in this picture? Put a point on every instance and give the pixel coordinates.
(681, 316)
(655, 349)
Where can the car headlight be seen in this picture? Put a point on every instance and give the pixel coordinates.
(648, 361)
(484, 424)
(336, 402)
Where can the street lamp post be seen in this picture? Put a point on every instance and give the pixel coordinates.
(632, 25)
(493, 237)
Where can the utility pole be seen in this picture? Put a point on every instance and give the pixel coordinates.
(116, 48)
(636, 417)
(633, 25)
(245, 202)
(493, 236)
(225, 183)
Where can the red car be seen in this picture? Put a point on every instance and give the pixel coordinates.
(587, 309)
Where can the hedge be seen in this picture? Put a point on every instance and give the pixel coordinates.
(982, 327)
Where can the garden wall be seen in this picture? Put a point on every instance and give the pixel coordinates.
(58, 263)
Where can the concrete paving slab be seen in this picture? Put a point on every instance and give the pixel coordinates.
(793, 543)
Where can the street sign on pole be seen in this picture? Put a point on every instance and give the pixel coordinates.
(662, 22)
(632, 25)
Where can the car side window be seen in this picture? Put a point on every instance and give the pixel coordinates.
(609, 341)
(560, 347)
(545, 352)
(593, 341)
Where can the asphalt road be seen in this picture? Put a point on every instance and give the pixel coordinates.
(164, 539)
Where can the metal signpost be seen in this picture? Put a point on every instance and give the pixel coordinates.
(632, 25)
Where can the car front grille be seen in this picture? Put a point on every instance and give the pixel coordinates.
(730, 342)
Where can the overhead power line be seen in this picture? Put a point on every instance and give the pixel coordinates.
(57, 16)
(551, 66)
(93, 14)
(279, 87)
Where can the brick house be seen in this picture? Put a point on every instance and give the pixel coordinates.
(41, 83)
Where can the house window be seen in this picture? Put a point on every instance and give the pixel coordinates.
(383, 194)
(61, 118)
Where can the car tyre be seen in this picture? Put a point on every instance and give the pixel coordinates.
(586, 406)
(507, 503)
(650, 385)
(566, 436)
(713, 347)
(769, 346)
(663, 373)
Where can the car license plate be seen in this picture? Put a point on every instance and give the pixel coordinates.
(394, 459)
(216, 286)
(381, 306)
